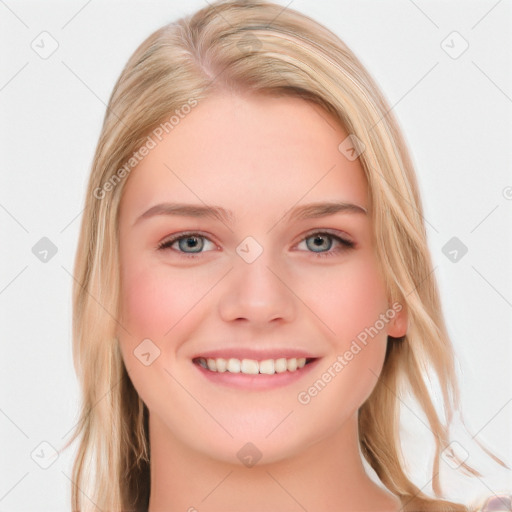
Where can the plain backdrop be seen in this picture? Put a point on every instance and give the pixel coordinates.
(453, 103)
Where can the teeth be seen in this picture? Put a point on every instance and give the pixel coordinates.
(291, 364)
(280, 365)
(251, 366)
(222, 365)
(234, 365)
(267, 366)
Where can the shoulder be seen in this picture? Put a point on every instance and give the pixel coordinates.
(497, 503)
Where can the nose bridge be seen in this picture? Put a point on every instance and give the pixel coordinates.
(255, 290)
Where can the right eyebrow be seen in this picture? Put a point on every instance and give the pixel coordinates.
(188, 210)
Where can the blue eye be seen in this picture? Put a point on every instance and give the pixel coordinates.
(193, 241)
(321, 244)
(321, 238)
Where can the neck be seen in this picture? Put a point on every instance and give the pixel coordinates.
(326, 475)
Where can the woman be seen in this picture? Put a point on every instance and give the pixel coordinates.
(256, 290)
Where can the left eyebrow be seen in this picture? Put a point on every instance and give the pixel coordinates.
(316, 210)
(308, 211)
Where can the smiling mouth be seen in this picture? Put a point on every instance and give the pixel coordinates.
(252, 366)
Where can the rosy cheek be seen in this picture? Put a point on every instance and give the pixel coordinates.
(350, 301)
(158, 300)
(149, 302)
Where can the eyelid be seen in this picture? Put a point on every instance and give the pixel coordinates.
(340, 237)
(171, 239)
(328, 231)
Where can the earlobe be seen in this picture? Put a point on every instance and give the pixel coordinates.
(399, 324)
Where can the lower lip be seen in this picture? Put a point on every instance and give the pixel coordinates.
(259, 381)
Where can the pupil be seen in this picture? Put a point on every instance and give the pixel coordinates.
(191, 243)
(319, 241)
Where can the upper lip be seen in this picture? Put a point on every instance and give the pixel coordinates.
(257, 355)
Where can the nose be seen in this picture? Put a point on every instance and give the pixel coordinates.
(257, 293)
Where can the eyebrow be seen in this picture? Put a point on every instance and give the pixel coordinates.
(308, 211)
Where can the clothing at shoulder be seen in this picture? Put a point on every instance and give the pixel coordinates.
(497, 503)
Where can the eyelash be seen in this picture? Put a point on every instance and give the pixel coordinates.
(345, 244)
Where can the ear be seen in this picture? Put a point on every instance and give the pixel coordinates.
(398, 325)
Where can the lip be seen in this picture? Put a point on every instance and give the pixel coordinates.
(257, 355)
(257, 382)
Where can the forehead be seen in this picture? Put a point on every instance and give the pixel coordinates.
(248, 153)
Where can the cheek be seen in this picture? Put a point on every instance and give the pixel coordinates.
(155, 299)
(145, 303)
(350, 302)
(348, 298)
(160, 304)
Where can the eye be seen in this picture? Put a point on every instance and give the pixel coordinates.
(320, 242)
(193, 241)
(191, 244)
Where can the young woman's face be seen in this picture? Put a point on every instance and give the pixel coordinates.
(262, 277)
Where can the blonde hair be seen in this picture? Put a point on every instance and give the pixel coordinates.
(261, 48)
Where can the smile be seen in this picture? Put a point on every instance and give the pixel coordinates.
(252, 366)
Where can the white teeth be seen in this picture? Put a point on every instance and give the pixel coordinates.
(267, 366)
(291, 364)
(234, 365)
(280, 365)
(222, 365)
(251, 366)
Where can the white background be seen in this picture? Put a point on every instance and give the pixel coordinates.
(455, 114)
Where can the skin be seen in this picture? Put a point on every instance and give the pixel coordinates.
(258, 156)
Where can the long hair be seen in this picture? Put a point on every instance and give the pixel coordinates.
(259, 47)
